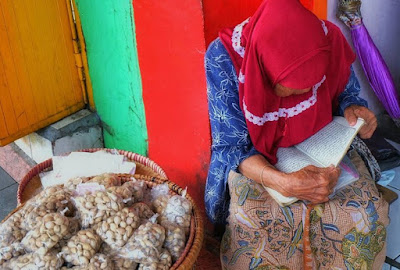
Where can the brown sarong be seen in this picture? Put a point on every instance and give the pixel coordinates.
(348, 232)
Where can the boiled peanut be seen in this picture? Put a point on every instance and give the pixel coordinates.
(115, 231)
(81, 247)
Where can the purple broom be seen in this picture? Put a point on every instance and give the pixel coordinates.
(370, 58)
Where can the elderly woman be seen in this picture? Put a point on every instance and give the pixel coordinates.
(273, 81)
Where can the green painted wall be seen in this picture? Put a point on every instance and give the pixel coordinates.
(109, 32)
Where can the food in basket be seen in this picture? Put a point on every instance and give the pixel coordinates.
(11, 231)
(73, 228)
(145, 244)
(175, 239)
(56, 199)
(160, 196)
(11, 234)
(100, 261)
(119, 263)
(22, 262)
(73, 183)
(97, 206)
(124, 264)
(160, 203)
(81, 247)
(11, 251)
(131, 191)
(49, 191)
(117, 229)
(143, 210)
(51, 229)
(106, 179)
(178, 211)
(123, 192)
(49, 261)
(165, 258)
(129, 234)
(56, 203)
(164, 262)
(137, 188)
(105, 248)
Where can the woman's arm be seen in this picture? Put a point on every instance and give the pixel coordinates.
(350, 95)
(310, 183)
(351, 106)
(231, 143)
(230, 138)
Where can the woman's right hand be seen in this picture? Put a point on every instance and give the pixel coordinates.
(311, 183)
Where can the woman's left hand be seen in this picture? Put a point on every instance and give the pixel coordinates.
(351, 114)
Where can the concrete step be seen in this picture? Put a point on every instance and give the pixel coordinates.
(77, 131)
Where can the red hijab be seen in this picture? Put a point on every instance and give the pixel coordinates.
(287, 44)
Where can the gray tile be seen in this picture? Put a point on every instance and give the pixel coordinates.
(393, 232)
(5, 179)
(8, 200)
(396, 180)
(387, 266)
(394, 144)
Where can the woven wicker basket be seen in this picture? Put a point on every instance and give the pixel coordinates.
(30, 185)
(195, 240)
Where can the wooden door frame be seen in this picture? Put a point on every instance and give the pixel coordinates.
(80, 53)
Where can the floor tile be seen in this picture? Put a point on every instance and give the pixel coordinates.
(393, 231)
(387, 266)
(396, 181)
(8, 200)
(5, 179)
(12, 161)
(394, 144)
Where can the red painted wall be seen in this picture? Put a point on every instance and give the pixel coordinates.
(170, 43)
(228, 13)
(225, 13)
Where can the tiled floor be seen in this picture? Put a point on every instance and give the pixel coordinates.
(15, 162)
(393, 230)
(8, 194)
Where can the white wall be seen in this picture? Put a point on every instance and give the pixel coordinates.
(382, 20)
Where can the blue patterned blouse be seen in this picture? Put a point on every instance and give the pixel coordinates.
(230, 139)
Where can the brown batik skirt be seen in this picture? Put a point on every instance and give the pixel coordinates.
(348, 232)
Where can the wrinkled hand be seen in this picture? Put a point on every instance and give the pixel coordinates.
(351, 114)
(311, 183)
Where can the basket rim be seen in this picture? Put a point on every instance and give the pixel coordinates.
(34, 171)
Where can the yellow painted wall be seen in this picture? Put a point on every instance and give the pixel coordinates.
(39, 82)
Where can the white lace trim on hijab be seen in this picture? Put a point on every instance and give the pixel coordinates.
(283, 112)
(324, 27)
(236, 39)
(237, 35)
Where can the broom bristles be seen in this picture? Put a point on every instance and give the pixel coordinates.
(349, 11)
(352, 6)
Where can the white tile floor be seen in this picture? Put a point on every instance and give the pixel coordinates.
(393, 230)
(393, 247)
